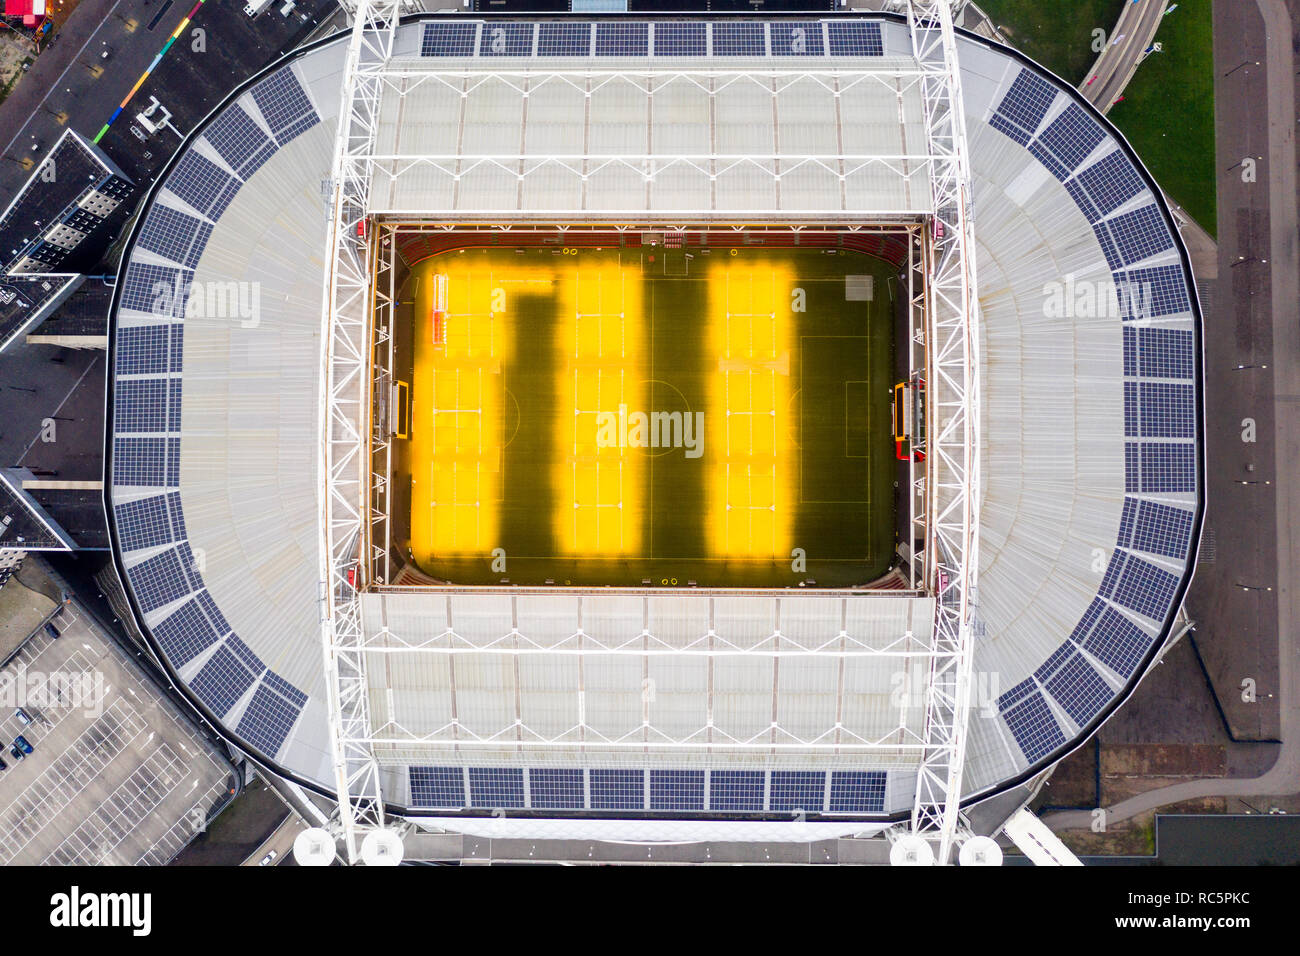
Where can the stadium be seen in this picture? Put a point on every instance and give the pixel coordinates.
(641, 429)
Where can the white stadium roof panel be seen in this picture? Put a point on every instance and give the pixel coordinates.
(1089, 459)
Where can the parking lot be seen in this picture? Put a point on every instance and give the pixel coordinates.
(114, 776)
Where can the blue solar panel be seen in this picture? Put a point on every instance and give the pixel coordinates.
(1016, 694)
(245, 654)
(1131, 410)
(437, 787)
(1072, 136)
(284, 688)
(239, 141)
(1118, 643)
(676, 789)
(1165, 353)
(142, 350)
(140, 461)
(448, 39)
(1168, 410)
(185, 634)
(267, 720)
(555, 788)
(1109, 249)
(140, 405)
(1009, 129)
(1160, 529)
(174, 405)
(1140, 234)
(1035, 729)
(202, 184)
(1132, 467)
(158, 580)
(1090, 617)
(221, 681)
(622, 39)
(172, 234)
(1126, 522)
(1113, 571)
(1111, 182)
(156, 290)
(736, 790)
(1054, 662)
(1146, 588)
(739, 39)
(797, 790)
(681, 39)
(1130, 353)
(1080, 690)
(177, 347)
(796, 39)
(143, 523)
(617, 789)
(855, 39)
(1150, 293)
(1027, 101)
(1080, 197)
(506, 39)
(1167, 467)
(284, 104)
(496, 787)
(857, 791)
(213, 613)
(1054, 165)
(564, 39)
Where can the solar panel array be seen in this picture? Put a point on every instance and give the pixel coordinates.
(1160, 418)
(147, 413)
(654, 790)
(637, 39)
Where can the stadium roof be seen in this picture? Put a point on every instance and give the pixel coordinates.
(1091, 468)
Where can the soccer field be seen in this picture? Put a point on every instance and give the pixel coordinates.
(611, 417)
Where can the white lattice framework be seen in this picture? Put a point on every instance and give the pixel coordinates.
(950, 486)
(343, 467)
(952, 427)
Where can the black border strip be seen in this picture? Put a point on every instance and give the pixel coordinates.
(1029, 773)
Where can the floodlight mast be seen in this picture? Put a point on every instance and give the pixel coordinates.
(952, 410)
(347, 322)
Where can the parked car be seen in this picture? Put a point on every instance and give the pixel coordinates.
(18, 754)
(269, 858)
(24, 718)
(21, 742)
(51, 630)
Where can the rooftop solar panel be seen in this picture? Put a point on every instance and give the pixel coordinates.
(142, 350)
(1072, 136)
(1079, 689)
(617, 789)
(1145, 588)
(222, 681)
(622, 39)
(506, 39)
(213, 613)
(158, 581)
(200, 182)
(140, 461)
(1140, 234)
(1016, 694)
(448, 39)
(556, 788)
(676, 789)
(796, 39)
(739, 39)
(140, 405)
(283, 102)
(143, 523)
(847, 38)
(1164, 353)
(681, 39)
(1090, 617)
(736, 790)
(797, 790)
(1167, 467)
(1027, 100)
(184, 634)
(564, 39)
(1118, 643)
(177, 347)
(1054, 662)
(267, 720)
(1111, 182)
(1034, 728)
(1168, 410)
(156, 290)
(857, 791)
(1152, 292)
(496, 787)
(239, 140)
(1009, 129)
(1161, 529)
(437, 787)
(286, 690)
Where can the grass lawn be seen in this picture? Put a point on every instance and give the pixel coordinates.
(525, 431)
(1168, 111)
(1058, 38)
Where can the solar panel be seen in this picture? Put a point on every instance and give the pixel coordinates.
(857, 791)
(739, 39)
(1111, 182)
(156, 290)
(617, 789)
(158, 581)
(1113, 571)
(1080, 197)
(142, 350)
(433, 787)
(143, 523)
(1027, 101)
(736, 790)
(1145, 588)
(1009, 129)
(1108, 247)
(1090, 617)
(239, 141)
(1140, 234)
(1152, 292)
(140, 461)
(681, 39)
(177, 348)
(174, 405)
(213, 613)
(140, 405)
(564, 39)
(1165, 353)
(185, 634)
(202, 184)
(1034, 728)
(1161, 529)
(1118, 643)
(173, 461)
(676, 789)
(286, 690)
(796, 39)
(221, 681)
(1080, 690)
(172, 235)
(1132, 467)
(797, 790)
(267, 720)
(1168, 410)
(1016, 694)
(283, 102)
(622, 39)
(245, 654)
(1054, 662)
(1054, 165)
(1072, 136)
(448, 39)
(1131, 410)
(506, 39)
(1130, 353)
(1126, 521)
(854, 39)
(1167, 468)
(496, 787)
(556, 789)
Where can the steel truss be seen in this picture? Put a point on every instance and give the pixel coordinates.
(343, 468)
(952, 432)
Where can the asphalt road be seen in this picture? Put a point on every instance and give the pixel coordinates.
(1115, 66)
